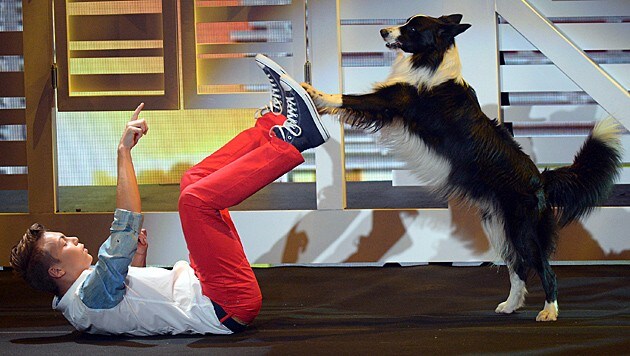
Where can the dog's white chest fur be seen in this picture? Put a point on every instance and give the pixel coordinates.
(425, 164)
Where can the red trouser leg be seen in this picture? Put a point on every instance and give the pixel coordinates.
(247, 163)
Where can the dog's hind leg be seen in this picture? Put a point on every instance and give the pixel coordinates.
(494, 228)
(539, 259)
(550, 285)
(518, 290)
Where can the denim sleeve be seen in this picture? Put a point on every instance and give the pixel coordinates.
(104, 288)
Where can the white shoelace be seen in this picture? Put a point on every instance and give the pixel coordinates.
(290, 124)
(276, 100)
(276, 96)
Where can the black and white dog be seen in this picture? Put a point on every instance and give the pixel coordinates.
(430, 117)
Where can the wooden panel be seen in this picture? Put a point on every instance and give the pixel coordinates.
(11, 44)
(12, 153)
(75, 91)
(13, 182)
(12, 84)
(218, 46)
(12, 117)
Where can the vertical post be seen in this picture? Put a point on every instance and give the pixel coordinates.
(38, 61)
(326, 75)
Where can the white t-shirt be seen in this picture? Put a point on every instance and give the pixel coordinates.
(114, 298)
(156, 301)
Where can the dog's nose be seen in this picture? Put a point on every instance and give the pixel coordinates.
(384, 33)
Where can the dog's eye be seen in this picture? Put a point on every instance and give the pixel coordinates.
(412, 29)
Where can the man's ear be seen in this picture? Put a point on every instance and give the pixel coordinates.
(56, 272)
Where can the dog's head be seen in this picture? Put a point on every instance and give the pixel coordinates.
(421, 34)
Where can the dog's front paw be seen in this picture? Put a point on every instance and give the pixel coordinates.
(549, 313)
(325, 103)
(505, 308)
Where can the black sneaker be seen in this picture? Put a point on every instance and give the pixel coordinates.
(273, 71)
(302, 128)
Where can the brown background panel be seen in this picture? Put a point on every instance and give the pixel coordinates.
(113, 27)
(117, 82)
(12, 84)
(134, 27)
(12, 116)
(11, 43)
(13, 182)
(12, 153)
(92, 229)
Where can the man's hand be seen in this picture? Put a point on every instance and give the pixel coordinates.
(127, 193)
(140, 258)
(143, 244)
(135, 129)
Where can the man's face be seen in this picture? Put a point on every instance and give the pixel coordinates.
(73, 257)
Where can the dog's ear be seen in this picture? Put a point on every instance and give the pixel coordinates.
(454, 18)
(452, 30)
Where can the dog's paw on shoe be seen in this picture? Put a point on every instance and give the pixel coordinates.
(324, 102)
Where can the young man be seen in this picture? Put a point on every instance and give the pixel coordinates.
(218, 292)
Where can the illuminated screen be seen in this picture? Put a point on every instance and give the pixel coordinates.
(86, 144)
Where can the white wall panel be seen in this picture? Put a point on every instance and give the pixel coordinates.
(379, 236)
(592, 36)
(362, 38)
(527, 78)
(555, 8)
(369, 9)
(360, 79)
(547, 151)
(554, 113)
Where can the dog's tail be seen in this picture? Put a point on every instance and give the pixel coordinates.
(576, 189)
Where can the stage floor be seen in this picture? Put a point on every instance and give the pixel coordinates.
(435, 309)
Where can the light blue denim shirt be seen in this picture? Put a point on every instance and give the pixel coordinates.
(104, 288)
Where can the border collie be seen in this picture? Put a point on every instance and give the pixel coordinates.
(430, 117)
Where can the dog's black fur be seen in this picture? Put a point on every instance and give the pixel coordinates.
(429, 115)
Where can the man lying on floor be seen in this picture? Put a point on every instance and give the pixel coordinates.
(217, 292)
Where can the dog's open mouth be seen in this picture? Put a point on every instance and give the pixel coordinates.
(393, 45)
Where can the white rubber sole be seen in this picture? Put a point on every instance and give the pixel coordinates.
(263, 60)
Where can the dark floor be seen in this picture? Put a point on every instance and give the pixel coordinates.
(433, 309)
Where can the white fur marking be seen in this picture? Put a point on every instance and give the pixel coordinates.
(404, 72)
(549, 313)
(321, 99)
(431, 168)
(494, 228)
(608, 131)
(516, 299)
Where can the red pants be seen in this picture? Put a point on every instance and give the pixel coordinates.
(247, 163)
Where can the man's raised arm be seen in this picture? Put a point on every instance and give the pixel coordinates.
(127, 193)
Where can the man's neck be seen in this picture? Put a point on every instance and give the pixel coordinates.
(64, 283)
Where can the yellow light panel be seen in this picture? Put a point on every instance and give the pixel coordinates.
(114, 45)
(116, 65)
(118, 93)
(114, 7)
